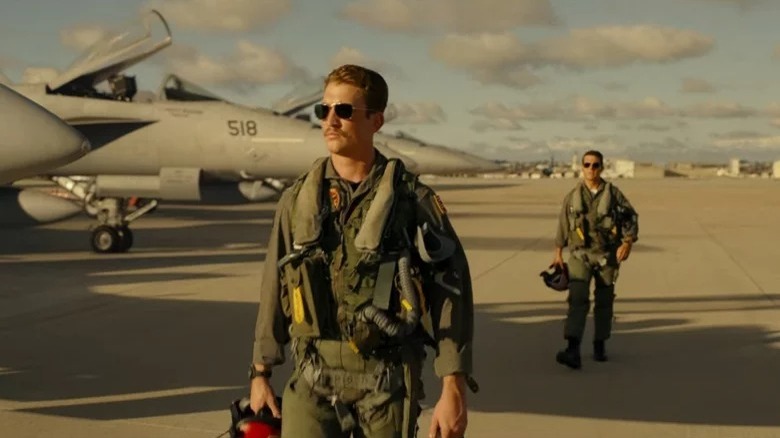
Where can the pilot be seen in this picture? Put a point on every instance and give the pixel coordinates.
(599, 225)
(363, 270)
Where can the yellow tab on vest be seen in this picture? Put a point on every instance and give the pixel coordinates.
(298, 305)
(579, 233)
(407, 305)
(354, 347)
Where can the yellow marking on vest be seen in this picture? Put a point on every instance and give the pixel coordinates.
(298, 305)
(354, 347)
(579, 233)
(439, 205)
(335, 197)
(407, 305)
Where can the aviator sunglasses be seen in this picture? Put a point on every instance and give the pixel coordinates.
(342, 110)
(587, 164)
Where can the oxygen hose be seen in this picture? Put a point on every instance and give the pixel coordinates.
(390, 325)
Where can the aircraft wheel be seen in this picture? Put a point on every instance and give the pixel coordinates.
(105, 239)
(125, 239)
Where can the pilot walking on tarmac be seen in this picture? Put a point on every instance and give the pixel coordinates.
(599, 225)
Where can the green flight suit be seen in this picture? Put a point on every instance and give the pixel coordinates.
(336, 286)
(594, 225)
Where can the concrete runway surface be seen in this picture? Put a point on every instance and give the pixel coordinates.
(155, 343)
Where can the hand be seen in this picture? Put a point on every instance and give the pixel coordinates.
(623, 251)
(450, 416)
(261, 394)
(557, 260)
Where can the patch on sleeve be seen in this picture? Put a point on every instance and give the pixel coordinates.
(335, 198)
(439, 205)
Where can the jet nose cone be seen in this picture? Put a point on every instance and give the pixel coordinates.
(32, 139)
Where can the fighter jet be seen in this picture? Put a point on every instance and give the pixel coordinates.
(32, 140)
(170, 148)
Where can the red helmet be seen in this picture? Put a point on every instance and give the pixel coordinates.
(558, 279)
(247, 424)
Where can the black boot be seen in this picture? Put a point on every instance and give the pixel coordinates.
(571, 355)
(599, 351)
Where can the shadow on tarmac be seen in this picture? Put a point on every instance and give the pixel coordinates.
(660, 370)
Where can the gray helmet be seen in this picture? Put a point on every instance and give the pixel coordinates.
(558, 279)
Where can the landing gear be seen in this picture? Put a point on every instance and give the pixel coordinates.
(113, 234)
(106, 239)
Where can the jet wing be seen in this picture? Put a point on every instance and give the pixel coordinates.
(115, 53)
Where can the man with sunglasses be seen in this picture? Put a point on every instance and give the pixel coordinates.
(363, 269)
(599, 225)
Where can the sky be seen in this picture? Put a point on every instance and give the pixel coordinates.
(521, 80)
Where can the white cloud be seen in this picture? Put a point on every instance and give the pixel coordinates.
(450, 15)
(696, 85)
(718, 110)
(83, 36)
(654, 127)
(223, 15)
(749, 141)
(415, 113)
(577, 108)
(489, 56)
(249, 65)
(614, 46)
(580, 108)
(496, 125)
(349, 55)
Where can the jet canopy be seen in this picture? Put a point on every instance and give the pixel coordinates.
(178, 89)
(113, 54)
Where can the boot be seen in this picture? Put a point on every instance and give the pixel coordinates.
(571, 355)
(599, 351)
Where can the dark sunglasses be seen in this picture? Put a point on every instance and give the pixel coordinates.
(342, 110)
(587, 164)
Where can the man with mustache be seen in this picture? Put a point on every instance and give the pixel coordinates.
(363, 270)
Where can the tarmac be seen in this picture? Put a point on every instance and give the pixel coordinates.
(156, 342)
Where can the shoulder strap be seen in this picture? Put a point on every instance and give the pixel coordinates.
(307, 207)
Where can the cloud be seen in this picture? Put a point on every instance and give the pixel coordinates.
(580, 108)
(490, 57)
(776, 52)
(696, 85)
(4, 79)
(577, 108)
(775, 123)
(496, 125)
(349, 55)
(668, 145)
(415, 113)
(718, 110)
(223, 15)
(747, 141)
(414, 16)
(248, 66)
(773, 110)
(83, 36)
(654, 127)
